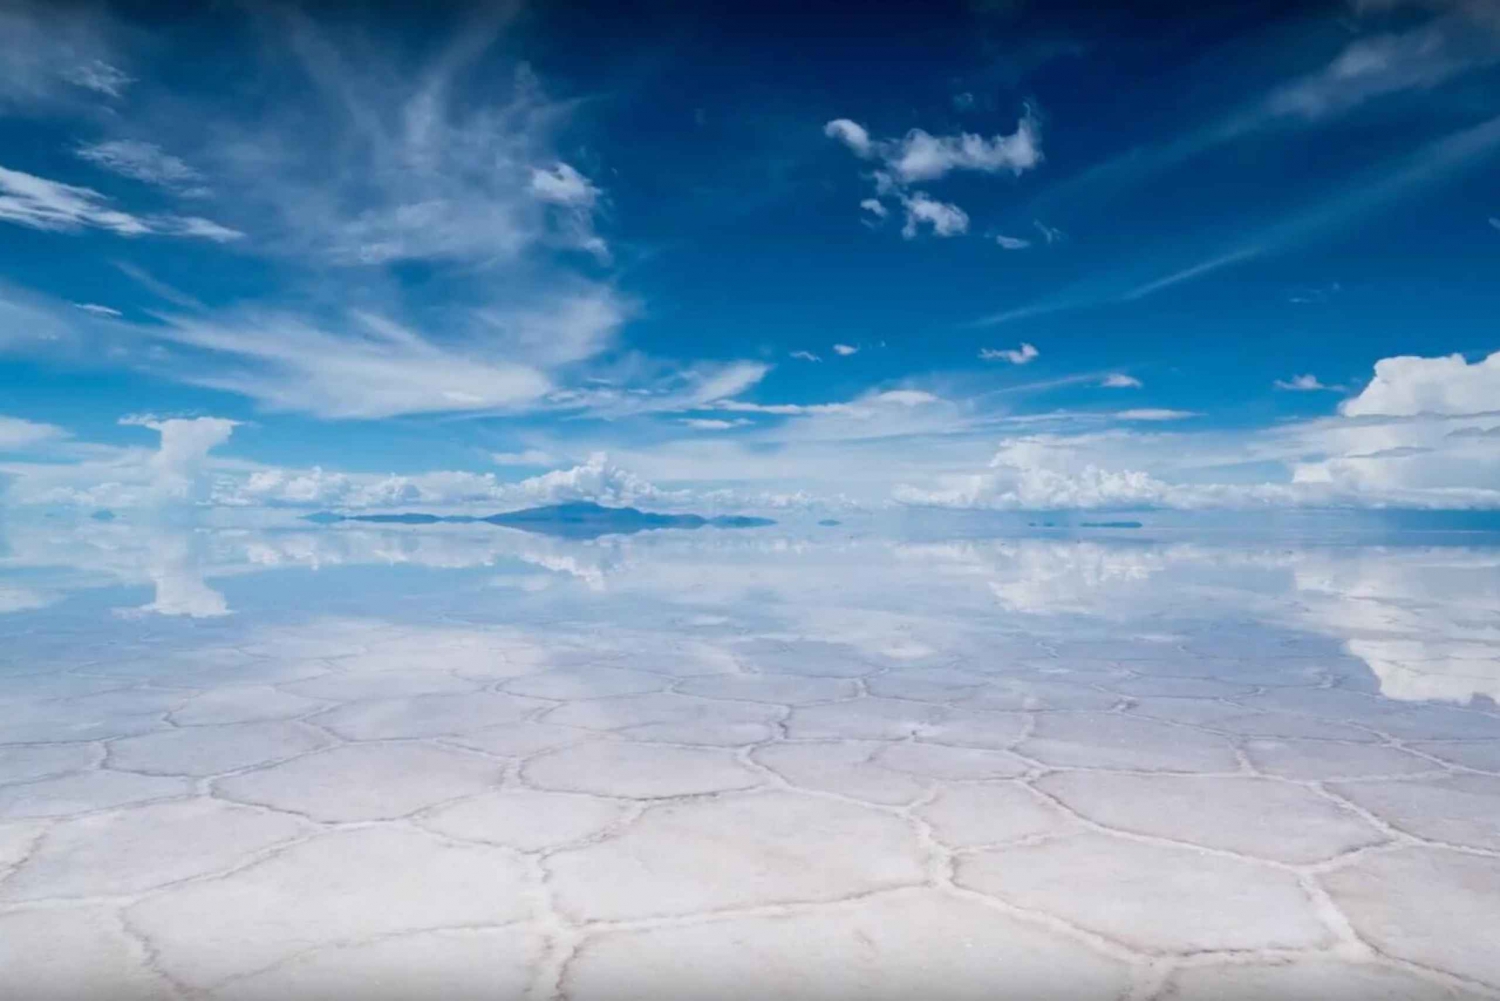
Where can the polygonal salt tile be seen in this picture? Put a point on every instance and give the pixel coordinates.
(638, 771)
(1025, 695)
(1441, 723)
(134, 701)
(939, 761)
(83, 792)
(336, 889)
(890, 947)
(965, 728)
(660, 716)
(16, 840)
(1261, 817)
(1293, 725)
(489, 964)
(1110, 740)
(861, 719)
(1336, 704)
(585, 683)
(1323, 759)
(130, 851)
(519, 740)
(682, 660)
(526, 820)
(1152, 897)
(350, 686)
(774, 689)
(941, 684)
(58, 723)
(1457, 809)
(1311, 979)
(842, 767)
(738, 851)
(991, 813)
(1431, 906)
(1184, 709)
(364, 781)
(210, 750)
(27, 762)
(243, 704)
(72, 954)
(426, 715)
(1145, 686)
(1483, 755)
(807, 658)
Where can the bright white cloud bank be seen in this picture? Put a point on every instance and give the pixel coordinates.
(1417, 436)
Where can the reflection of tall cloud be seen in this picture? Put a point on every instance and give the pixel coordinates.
(1427, 621)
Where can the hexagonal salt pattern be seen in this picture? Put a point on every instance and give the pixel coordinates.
(861, 792)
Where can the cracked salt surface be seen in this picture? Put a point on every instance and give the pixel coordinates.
(688, 767)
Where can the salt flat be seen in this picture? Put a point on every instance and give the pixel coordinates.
(399, 764)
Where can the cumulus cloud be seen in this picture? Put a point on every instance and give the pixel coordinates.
(1119, 380)
(1012, 242)
(921, 156)
(172, 473)
(1023, 355)
(1409, 385)
(845, 350)
(941, 218)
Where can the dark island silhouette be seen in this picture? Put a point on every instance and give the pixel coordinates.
(577, 520)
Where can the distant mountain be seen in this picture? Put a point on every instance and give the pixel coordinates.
(579, 520)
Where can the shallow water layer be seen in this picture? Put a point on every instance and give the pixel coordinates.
(468, 762)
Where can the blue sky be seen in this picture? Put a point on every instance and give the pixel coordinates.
(997, 255)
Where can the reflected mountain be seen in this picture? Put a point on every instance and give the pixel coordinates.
(581, 520)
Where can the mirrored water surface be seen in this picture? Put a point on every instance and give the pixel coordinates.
(464, 761)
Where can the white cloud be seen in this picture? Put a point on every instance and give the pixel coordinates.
(713, 424)
(1119, 380)
(1024, 355)
(40, 203)
(1461, 40)
(375, 368)
(17, 433)
(1408, 385)
(97, 310)
(874, 207)
(1495, 222)
(566, 188)
(1012, 242)
(144, 161)
(1301, 383)
(845, 350)
(1189, 273)
(1154, 414)
(805, 356)
(99, 76)
(921, 156)
(851, 134)
(943, 218)
(173, 473)
(1051, 234)
(529, 457)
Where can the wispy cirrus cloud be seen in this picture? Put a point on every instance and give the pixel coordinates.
(29, 200)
